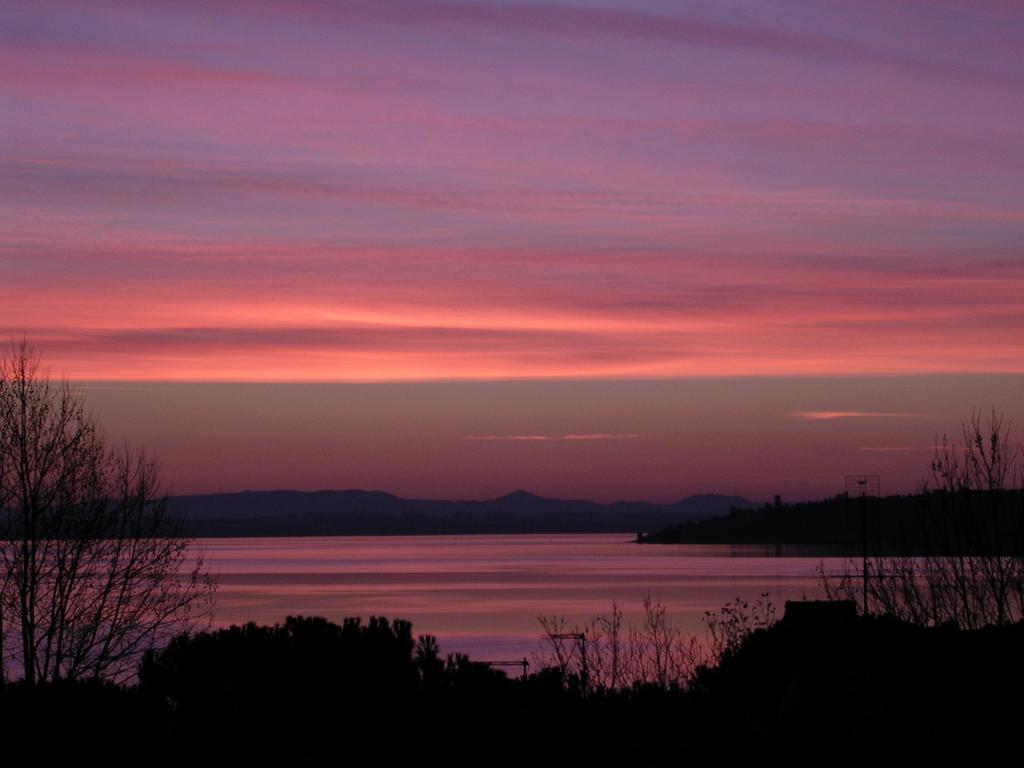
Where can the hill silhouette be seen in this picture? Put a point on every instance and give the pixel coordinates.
(358, 512)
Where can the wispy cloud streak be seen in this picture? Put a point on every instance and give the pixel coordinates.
(835, 415)
(901, 448)
(362, 191)
(569, 438)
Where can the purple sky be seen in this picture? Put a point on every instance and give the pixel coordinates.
(630, 196)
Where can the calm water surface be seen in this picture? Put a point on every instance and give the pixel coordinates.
(482, 595)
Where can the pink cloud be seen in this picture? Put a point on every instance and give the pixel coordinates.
(834, 415)
(366, 191)
(900, 448)
(597, 436)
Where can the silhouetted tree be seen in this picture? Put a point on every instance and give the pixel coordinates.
(612, 655)
(93, 568)
(971, 571)
(429, 662)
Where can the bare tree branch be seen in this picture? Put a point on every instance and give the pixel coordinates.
(971, 572)
(93, 568)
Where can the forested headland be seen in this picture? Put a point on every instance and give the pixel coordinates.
(938, 522)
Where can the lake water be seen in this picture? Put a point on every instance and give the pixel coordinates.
(482, 595)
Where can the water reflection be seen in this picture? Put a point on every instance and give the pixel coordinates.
(482, 594)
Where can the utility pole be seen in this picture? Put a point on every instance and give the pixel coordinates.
(862, 487)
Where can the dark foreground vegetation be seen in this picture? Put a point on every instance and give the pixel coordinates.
(820, 686)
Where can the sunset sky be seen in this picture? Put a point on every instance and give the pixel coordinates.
(602, 249)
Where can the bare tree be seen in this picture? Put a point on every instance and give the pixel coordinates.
(729, 627)
(95, 570)
(612, 655)
(969, 567)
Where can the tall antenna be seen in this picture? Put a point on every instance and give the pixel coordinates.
(863, 487)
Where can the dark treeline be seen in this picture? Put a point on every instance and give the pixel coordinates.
(939, 522)
(821, 686)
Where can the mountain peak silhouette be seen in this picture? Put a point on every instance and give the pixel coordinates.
(354, 512)
(520, 495)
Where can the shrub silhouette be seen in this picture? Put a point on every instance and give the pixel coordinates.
(299, 676)
(309, 690)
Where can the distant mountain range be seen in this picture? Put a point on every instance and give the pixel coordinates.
(354, 512)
